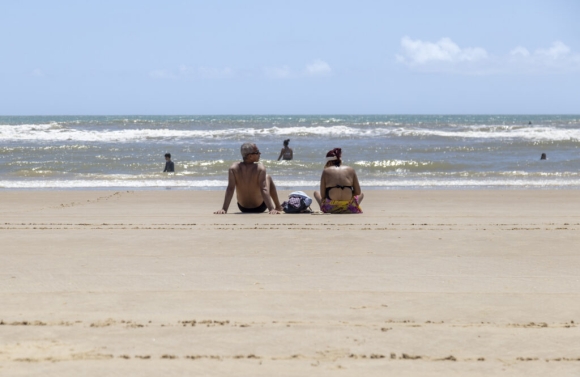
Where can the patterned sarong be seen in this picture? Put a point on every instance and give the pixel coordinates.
(341, 206)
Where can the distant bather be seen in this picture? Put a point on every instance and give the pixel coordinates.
(286, 153)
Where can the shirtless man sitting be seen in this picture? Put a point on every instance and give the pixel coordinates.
(255, 190)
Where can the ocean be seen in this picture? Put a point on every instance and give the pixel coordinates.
(387, 151)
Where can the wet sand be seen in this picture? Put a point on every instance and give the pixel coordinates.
(444, 283)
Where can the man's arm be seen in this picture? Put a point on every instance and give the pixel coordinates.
(229, 192)
(165, 170)
(265, 191)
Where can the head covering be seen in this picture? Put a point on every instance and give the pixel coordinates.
(334, 154)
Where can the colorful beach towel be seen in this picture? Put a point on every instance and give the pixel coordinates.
(341, 206)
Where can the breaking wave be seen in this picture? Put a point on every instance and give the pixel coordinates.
(57, 132)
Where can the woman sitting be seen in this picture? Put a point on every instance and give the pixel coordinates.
(339, 188)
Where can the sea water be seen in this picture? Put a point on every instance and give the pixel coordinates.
(387, 151)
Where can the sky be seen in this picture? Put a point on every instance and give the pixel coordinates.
(169, 57)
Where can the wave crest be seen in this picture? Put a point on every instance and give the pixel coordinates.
(58, 132)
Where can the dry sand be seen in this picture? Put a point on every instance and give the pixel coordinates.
(149, 283)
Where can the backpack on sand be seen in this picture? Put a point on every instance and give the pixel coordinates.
(298, 202)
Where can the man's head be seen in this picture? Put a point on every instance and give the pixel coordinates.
(250, 151)
(167, 156)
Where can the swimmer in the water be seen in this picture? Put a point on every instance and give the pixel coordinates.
(286, 153)
(169, 165)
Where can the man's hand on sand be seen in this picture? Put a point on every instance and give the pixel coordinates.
(274, 212)
(220, 212)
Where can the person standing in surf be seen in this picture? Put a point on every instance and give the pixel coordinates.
(169, 165)
(286, 153)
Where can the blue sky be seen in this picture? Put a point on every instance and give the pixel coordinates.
(292, 57)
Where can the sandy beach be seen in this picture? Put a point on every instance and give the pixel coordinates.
(425, 282)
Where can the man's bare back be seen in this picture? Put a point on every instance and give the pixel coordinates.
(255, 190)
(248, 189)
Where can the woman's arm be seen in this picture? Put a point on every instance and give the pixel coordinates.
(323, 186)
(355, 184)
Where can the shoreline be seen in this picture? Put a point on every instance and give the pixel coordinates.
(302, 188)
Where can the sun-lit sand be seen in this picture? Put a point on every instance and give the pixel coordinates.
(150, 283)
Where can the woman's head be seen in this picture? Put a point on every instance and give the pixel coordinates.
(333, 157)
(286, 142)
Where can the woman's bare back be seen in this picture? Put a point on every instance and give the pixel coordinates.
(341, 176)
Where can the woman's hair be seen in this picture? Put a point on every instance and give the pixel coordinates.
(286, 142)
(334, 156)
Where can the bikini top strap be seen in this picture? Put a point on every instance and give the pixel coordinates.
(338, 186)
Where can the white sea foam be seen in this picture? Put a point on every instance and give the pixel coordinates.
(459, 183)
(57, 132)
(149, 183)
(220, 184)
(392, 163)
(525, 133)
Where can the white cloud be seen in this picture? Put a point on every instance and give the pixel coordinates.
(558, 50)
(318, 68)
(446, 56)
(557, 58)
(445, 50)
(187, 72)
(520, 51)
